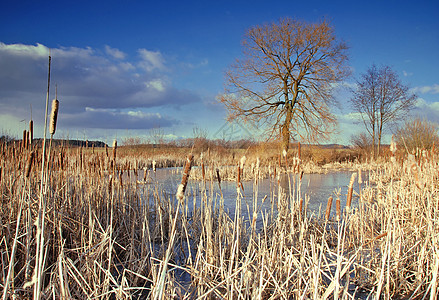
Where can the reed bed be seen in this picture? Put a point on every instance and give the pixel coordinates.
(108, 230)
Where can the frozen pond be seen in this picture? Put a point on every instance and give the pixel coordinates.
(315, 187)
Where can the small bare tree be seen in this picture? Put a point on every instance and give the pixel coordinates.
(286, 78)
(417, 134)
(362, 142)
(381, 98)
(157, 135)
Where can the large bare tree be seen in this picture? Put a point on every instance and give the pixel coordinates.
(381, 99)
(286, 79)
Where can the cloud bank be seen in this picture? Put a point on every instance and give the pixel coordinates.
(97, 88)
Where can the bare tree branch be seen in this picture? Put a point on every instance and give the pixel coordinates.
(381, 98)
(287, 75)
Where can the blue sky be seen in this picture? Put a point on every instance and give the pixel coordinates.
(124, 67)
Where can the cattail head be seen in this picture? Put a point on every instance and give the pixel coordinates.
(187, 169)
(218, 176)
(338, 209)
(24, 139)
(203, 170)
(243, 159)
(350, 191)
(29, 164)
(114, 149)
(31, 131)
(54, 116)
(328, 208)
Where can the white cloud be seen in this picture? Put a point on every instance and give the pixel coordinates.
(427, 110)
(25, 50)
(156, 84)
(116, 119)
(432, 89)
(204, 62)
(151, 60)
(115, 53)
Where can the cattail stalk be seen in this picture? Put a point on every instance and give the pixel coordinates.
(39, 261)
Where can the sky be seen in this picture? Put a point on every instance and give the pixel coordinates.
(134, 68)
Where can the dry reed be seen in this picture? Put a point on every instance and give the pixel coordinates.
(154, 246)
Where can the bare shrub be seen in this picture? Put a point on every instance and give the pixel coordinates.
(417, 134)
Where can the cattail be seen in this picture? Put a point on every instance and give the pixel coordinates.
(243, 159)
(328, 208)
(54, 116)
(350, 191)
(110, 184)
(145, 172)
(203, 171)
(27, 140)
(218, 177)
(31, 132)
(239, 175)
(239, 178)
(337, 209)
(184, 179)
(61, 160)
(24, 139)
(300, 205)
(114, 149)
(30, 161)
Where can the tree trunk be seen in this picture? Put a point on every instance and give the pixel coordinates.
(380, 133)
(286, 130)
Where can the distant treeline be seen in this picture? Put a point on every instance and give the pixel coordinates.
(57, 142)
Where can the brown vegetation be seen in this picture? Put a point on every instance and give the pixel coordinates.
(105, 232)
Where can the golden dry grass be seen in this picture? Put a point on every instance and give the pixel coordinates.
(101, 233)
